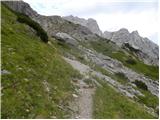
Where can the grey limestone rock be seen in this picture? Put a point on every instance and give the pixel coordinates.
(66, 38)
(148, 51)
(90, 23)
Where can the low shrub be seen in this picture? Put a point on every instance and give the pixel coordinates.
(141, 85)
(121, 75)
(40, 32)
(131, 61)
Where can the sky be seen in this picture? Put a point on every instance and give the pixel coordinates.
(111, 15)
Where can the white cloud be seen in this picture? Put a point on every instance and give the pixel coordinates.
(111, 15)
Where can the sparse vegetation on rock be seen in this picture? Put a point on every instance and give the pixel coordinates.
(78, 74)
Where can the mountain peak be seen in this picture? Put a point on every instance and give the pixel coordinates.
(146, 46)
(123, 30)
(135, 32)
(89, 23)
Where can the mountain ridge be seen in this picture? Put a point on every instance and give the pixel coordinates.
(89, 23)
(109, 72)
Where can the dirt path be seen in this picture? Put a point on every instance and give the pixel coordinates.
(83, 101)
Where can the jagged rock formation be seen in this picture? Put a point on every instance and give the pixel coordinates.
(72, 33)
(90, 23)
(54, 24)
(77, 32)
(21, 7)
(148, 51)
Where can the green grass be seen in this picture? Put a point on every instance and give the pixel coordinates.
(111, 50)
(104, 46)
(109, 104)
(31, 62)
(147, 70)
(120, 77)
(148, 99)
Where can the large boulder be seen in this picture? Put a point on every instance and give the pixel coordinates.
(64, 37)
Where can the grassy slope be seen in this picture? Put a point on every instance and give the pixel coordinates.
(31, 62)
(149, 99)
(108, 48)
(151, 71)
(112, 105)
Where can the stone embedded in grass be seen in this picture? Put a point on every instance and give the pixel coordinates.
(27, 110)
(5, 72)
(19, 68)
(53, 117)
(75, 96)
(10, 49)
(26, 80)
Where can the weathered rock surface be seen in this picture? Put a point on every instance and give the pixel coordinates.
(90, 23)
(21, 7)
(73, 34)
(83, 30)
(5, 72)
(53, 24)
(148, 51)
(115, 66)
(64, 37)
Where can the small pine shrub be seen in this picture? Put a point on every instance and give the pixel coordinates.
(80, 57)
(141, 85)
(40, 32)
(121, 75)
(131, 61)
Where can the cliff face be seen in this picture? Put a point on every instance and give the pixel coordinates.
(90, 23)
(21, 7)
(83, 30)
(148, 50)
(53, 24)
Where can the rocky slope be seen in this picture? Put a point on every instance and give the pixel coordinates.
(53, 24)
(90, 23)
(147, 50)
(114, 61)
(32, 85)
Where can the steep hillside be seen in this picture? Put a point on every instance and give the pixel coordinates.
(36, 81)
(143, 48)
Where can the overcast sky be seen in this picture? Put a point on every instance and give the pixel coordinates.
(111, 15)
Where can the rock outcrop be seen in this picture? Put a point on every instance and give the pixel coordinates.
(81, 33)
(115, 66)
(53, 24)
(148, 51)
(21, 7)
(90, 23)
(64, 37)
